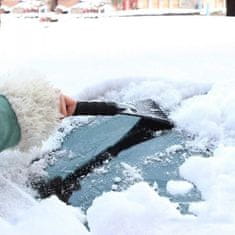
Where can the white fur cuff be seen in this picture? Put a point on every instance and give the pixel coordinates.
(36, 104)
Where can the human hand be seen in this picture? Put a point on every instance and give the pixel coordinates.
(67, 105)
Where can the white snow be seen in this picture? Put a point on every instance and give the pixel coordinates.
(185, 63)
(178, 187)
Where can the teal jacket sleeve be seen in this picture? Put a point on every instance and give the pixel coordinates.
(10, 133)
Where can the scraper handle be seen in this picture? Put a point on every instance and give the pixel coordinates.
(97, 108)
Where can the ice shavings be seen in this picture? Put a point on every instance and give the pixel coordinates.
(101, 170)
(115, 187)
(130, 176)
(117, 180)
(131, 173)
(178, 187)
(174, 148)
(168, 154)
(158, 157)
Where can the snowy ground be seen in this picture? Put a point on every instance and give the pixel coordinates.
(185, 63)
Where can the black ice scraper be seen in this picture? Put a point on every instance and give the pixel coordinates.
(155, 117)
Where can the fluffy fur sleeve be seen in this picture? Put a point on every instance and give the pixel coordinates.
(36, 104)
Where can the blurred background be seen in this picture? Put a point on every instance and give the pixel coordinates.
(51, 10)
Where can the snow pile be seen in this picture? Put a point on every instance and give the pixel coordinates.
(136, 211)
(166, 92)
(38, 220)
(210, 117)
(13, 197)
(214, 177)
(16, 167)
(140, 210)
